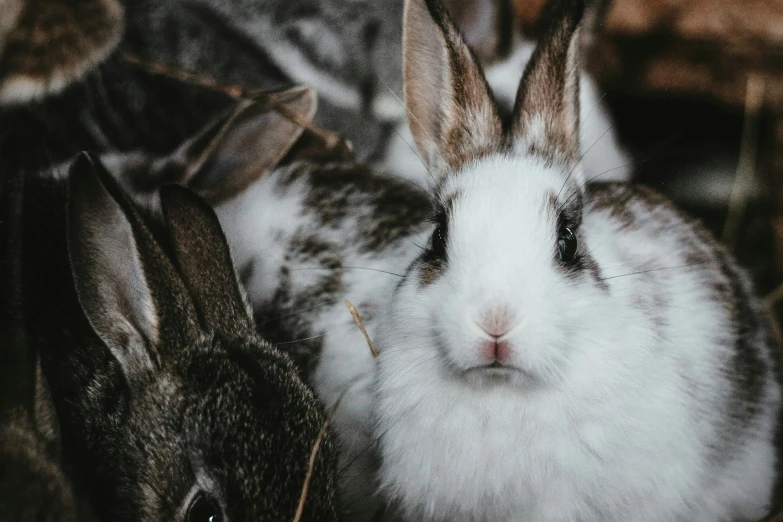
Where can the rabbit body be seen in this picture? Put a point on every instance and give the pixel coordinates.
(641, 397)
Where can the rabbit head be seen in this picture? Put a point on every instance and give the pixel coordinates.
(513, 191)
(175, 409)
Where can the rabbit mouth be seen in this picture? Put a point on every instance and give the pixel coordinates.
(497, 370)
(500, 374)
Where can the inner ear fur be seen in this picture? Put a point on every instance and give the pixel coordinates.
(546, 112)
(451, 112)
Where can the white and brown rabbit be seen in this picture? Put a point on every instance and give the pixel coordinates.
(561, 351)
(170, 406)
(549, 349)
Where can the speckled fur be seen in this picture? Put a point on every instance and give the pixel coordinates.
(221, 410)
(639, 379)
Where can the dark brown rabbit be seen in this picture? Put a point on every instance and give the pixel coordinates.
(170, 406)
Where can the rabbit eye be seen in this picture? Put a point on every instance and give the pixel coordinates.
(566, 245)
(439, 240)
(204, 508)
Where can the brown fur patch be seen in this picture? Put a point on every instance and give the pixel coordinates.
(56, 41)
(387, 208)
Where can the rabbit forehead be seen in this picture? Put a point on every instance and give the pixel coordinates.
(505, 194)
(504, 219)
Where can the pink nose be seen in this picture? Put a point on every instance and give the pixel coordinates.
(496, 322)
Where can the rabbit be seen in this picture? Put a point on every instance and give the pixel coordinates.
(170, 406)
(561, 350)
(33, 484)
(47, 45)
(350, 53)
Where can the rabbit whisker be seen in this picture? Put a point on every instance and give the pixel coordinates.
(346, 267)
(423, 128)
(302, 340)
(573, 169)
(653, 270)
(413, 149)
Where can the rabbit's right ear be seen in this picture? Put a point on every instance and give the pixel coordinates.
(451, 112)
(204, 261)
(110, 280)
(234, 151)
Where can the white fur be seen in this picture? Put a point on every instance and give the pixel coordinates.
(259, 223)
(604, 158)
(609, 417)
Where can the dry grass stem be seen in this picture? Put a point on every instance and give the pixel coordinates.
(774, 296)
(358, 320)
(313, 454)
(331, 140)
(746, 166)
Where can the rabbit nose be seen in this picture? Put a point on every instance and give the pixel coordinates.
(496, 322)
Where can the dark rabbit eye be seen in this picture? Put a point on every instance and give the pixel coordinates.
(204, 508)
(439, 240)
(566, 245)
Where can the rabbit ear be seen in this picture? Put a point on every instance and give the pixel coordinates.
(236, 150)
(486, 25)
(204, 260)
(546, 114)
(128, 289)
(110, 280)
(451, 112)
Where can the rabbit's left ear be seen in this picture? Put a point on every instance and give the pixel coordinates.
(48, 44)
(112, 285)
(546, 114)
(451, 112)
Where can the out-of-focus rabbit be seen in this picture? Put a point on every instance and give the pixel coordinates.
(45, 45)
(170, 406)
(350, 52)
